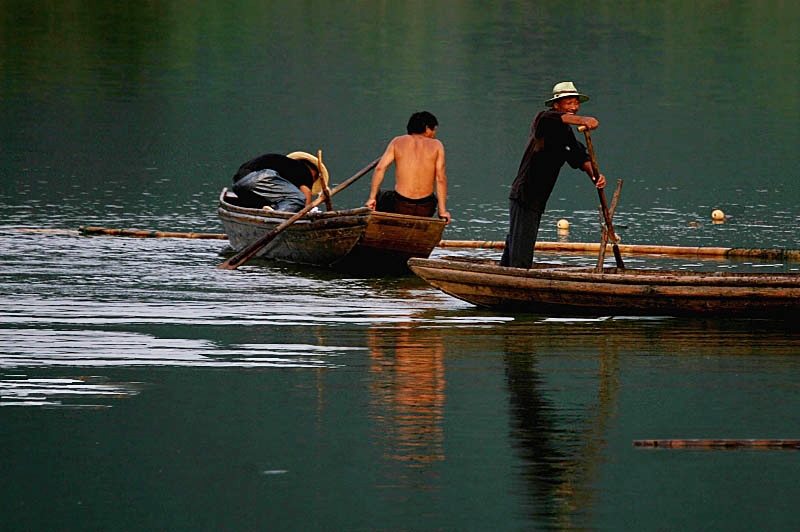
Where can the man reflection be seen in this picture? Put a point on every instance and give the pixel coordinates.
(560, 444)
(407, 390)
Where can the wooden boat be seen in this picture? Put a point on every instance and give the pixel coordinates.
(575, 291)
(355, 240)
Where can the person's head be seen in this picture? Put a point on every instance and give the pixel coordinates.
(312, 168)
(420, 122)
(566, 97)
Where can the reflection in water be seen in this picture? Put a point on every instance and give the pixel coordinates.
(63, 392)
(561, 446)
(50, 348)
(407, 398)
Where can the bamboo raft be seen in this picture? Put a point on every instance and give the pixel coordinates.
(147, 233)
(719, 444)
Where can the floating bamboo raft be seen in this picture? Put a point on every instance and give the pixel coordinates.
(719, 444)
(146, 233)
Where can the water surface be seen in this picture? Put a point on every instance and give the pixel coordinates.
(143, 389)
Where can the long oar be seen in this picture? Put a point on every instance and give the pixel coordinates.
(603, 204)
(248, 252)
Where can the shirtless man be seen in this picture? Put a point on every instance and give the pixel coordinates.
(419, 168)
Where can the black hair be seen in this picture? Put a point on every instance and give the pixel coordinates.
(419, 121)
(311, 167)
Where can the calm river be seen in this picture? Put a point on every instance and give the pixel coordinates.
(143, 389)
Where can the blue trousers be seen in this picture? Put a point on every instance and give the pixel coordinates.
(522, 232)
(268, 188)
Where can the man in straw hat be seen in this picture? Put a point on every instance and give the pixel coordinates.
(551, 143)
(419, 169)
(280, 182)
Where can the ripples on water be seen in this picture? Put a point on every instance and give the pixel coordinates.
(102, 302)
(421, 386)
(73, 301)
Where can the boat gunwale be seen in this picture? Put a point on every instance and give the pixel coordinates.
(272, 216)
(627, 276)
(362, 214)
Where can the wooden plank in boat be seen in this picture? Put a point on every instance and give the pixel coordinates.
(413, 235)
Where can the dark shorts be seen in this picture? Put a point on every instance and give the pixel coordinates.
(391, 201)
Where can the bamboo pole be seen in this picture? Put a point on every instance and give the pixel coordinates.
(719, 444)
(48, 231)
(146, 233)
(788, 255)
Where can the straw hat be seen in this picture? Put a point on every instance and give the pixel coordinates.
(564, 89)
(323, 172)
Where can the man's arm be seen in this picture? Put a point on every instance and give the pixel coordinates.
(590, 123)
(307, 193)
(600, 182)
(380, 171)
(576, 120)
(441, 184)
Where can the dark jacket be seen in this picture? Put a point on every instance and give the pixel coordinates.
(292, 170)
(551, 144)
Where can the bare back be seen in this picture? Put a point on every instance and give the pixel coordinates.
(419, 170)
(417, 159)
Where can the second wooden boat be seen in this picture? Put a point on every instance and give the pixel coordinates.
(575, 291)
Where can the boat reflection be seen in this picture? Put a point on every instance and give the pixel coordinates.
(407, 396)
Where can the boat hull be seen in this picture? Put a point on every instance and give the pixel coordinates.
(358, 240)
(571, 291)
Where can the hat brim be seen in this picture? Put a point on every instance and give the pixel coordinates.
(581, 97)
(323, 172)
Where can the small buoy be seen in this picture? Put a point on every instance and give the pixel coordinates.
(563, 223)
(717, 214)
(694, 224)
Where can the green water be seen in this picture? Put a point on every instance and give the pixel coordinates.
(143, 389)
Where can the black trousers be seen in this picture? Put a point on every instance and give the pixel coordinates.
(391, 201)
(522, 232)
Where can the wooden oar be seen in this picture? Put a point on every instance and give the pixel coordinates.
(248, 252)
(603, 204)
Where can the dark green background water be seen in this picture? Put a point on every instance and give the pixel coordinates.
(142, 389)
